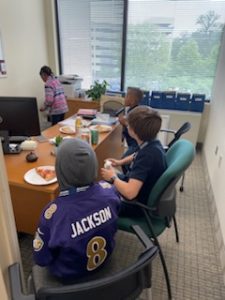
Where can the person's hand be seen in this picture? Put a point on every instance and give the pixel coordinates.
(123, 120)
(115, 162)
(42, 108)
(107, 174)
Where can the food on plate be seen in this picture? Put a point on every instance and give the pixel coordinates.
(102, 128)
(67, 129)
(45, 173)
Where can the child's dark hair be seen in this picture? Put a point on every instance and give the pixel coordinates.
(138, 93)
(46, 70)
(145, 122)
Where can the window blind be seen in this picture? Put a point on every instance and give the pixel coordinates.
(90, 34)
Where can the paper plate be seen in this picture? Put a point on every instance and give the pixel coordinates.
(32, 177)
(101, 128)
(67, 130)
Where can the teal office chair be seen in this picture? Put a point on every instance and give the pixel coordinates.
(177, 134)
(161, 206)
(123, 277)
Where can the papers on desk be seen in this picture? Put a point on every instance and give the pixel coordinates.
(104, 119)
(71, 122)
(100, 119)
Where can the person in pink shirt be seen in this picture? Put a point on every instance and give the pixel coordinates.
(55, 100)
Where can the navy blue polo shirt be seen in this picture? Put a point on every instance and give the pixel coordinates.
(147, 166)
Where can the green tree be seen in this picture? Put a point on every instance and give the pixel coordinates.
(147, 55)
(208, 22)
(188, 61)
(209, 33)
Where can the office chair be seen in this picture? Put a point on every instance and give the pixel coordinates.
(124, 276)
(177, 134)
(160, 209)
(111, 107)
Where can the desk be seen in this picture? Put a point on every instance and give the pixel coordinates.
(29, 200)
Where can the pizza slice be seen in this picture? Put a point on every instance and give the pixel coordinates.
(45, 173)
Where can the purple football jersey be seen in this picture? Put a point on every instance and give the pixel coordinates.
(76, 232)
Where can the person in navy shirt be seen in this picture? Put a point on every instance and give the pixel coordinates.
(75, 235)
(147, 163)
(132, 100)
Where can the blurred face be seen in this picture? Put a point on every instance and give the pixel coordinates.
(131, 132)
(130, 99)
(133, 135)
(44, 77)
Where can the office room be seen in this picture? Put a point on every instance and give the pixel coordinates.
(196, 265)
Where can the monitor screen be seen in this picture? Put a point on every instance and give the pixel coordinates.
(19, 116)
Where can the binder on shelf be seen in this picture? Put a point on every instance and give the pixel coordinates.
(183, 101)
(156, 99)
(197, 102)
(168, 100)
(145, 100)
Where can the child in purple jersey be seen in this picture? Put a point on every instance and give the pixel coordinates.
(75, 235)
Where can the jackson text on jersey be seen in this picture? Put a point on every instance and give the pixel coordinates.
(90, 222)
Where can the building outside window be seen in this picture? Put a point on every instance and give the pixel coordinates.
(170, 45)
(91, 39)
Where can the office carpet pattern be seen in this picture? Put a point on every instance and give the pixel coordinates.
(193, 264)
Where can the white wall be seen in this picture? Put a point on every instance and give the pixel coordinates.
(22, 26)
(215, 138)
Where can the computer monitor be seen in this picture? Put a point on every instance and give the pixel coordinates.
(19, 116)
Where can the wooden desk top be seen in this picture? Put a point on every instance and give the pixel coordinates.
(17, 165)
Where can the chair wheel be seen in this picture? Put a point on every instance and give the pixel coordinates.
(181, 189)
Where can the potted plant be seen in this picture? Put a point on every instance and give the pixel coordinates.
(58, 140)
(96, 90)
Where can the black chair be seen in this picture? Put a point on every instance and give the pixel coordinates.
(177, 134)
(125, 275)
(111, 107)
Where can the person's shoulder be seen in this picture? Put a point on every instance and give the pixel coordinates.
(108, 190)
(49, 210)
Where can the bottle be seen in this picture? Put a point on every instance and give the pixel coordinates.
(78, 125)
(85, 135)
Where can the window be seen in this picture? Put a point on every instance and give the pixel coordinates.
(174, 45)
(91, 39)
(170, 45)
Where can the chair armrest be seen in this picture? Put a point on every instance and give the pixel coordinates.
(139, 204)
(167, 130)
(146, 241)
(16, 284)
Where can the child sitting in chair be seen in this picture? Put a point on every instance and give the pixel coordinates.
(132, 100)
(75, 235)
(149, 161)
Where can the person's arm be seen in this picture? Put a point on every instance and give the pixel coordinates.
(49, 96)
(123, 120)
(41, 252)
(120, 162)
(128, 190)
